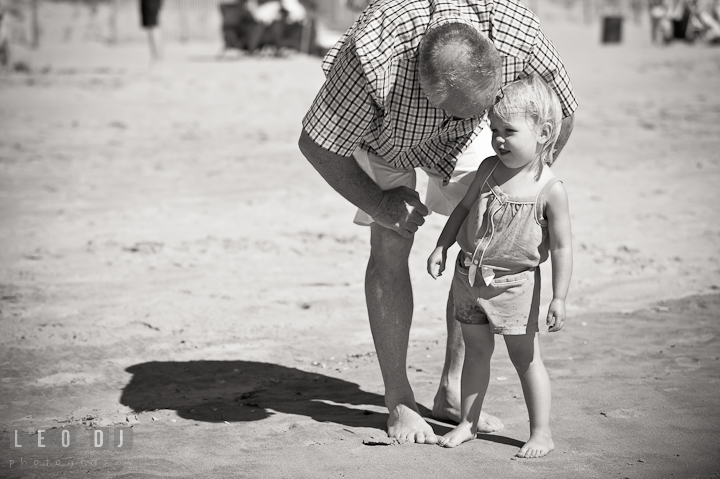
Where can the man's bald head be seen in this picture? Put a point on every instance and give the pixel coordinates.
(460, 69)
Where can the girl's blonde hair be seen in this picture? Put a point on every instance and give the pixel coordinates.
(533, 98)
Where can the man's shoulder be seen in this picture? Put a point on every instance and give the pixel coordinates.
(515, 9)
(515, 28)
(390, 27)
(385, 37)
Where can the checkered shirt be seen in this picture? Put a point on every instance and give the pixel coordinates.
(371, 97)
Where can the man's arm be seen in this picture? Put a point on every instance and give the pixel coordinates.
(344, 175)
(399, 209)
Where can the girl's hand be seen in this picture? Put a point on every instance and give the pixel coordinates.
(436, 262)
(556, 315)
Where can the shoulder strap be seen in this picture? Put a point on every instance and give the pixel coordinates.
(541, 200)
(487, 177)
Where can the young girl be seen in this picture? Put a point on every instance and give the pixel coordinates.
(513, 214)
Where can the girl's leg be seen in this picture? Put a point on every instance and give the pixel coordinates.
(479, 346)
(524, 352)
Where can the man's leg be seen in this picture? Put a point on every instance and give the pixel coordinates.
(446, 406)
(155, 43)
(389, 299)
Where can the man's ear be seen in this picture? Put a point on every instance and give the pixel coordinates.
(545, 133)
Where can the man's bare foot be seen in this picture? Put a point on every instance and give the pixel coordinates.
(539, 445)
(488, 424)
(463, 432)
(446, 408)
(406, 425)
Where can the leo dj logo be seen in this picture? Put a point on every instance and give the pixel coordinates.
(66, 438)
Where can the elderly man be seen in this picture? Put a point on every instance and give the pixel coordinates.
(407, 86)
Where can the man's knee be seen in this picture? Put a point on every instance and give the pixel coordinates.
(387, 248)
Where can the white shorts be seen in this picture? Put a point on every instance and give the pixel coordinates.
(440, 199)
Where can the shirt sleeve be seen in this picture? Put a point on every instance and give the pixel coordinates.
(546, 62)
(343, 109)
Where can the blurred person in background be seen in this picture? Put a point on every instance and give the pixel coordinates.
(273, 23)
(267, 12)
(660, 22)
(149, 19)
(686, 20)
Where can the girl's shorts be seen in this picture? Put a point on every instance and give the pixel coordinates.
(510, 304)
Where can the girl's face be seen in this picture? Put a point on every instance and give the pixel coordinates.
(517, 142)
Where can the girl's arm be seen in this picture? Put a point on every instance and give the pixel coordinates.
(436, 261)
(558, 216)
(455, 221)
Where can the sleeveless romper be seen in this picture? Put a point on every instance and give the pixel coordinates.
(497, 276)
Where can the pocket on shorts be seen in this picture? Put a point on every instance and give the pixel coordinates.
(512, 279)
(460, 268)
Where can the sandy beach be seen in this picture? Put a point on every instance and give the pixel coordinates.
(169, 261)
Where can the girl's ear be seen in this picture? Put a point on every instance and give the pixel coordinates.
(544, 133)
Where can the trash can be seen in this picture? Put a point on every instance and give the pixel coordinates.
(612, 29)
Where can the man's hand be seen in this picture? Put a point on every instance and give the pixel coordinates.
(401, 210)
(556, 315)
(436, 262)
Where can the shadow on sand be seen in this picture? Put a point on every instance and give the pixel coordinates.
(241, 391)
(501, 440)
(217, 391)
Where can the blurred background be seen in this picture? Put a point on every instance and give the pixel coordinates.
(31, 23)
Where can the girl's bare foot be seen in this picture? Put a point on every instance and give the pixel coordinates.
(539, 445)
(463, 432)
